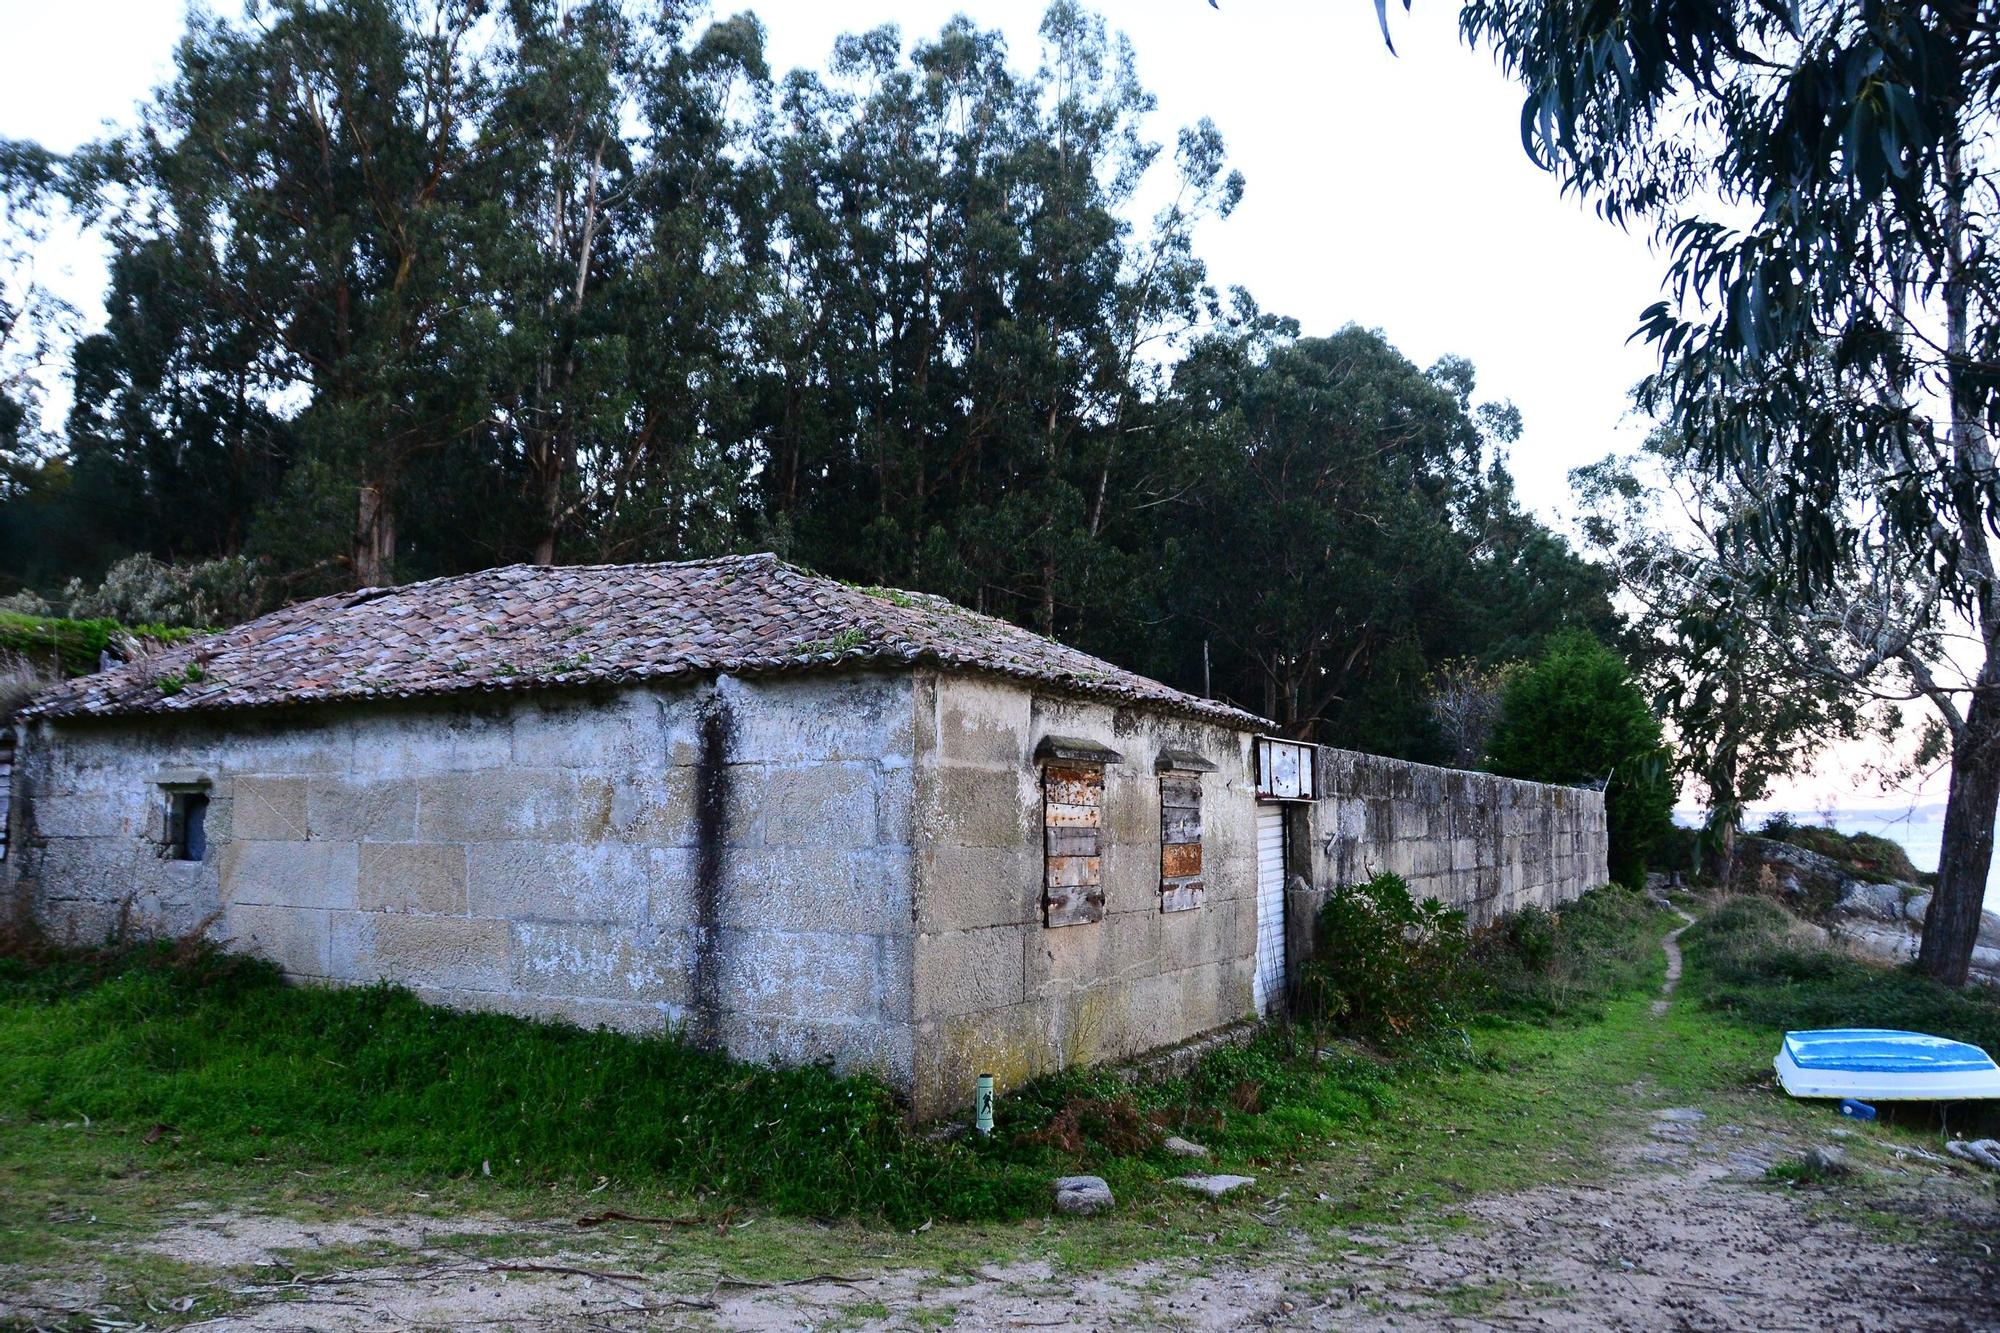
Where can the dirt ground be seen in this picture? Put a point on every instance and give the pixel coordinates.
(1685, 1231)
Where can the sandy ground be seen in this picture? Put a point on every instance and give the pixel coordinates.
(1684, 1232)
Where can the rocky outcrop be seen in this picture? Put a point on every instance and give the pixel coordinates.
(1883, 921)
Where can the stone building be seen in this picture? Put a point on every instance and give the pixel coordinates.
(804, 820)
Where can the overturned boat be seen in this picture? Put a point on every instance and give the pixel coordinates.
(1884, 1065)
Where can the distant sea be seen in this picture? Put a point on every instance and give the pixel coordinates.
(1920, 830)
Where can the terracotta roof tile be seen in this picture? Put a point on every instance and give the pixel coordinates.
(531, 626)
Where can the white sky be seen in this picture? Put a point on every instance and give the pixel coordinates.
(1391, 191)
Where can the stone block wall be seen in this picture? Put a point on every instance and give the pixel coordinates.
(995, 990)
(1486, 844)
(798, 868)
(733, 858)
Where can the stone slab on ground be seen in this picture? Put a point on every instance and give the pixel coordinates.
(1214, 1186)
(1083, 1196)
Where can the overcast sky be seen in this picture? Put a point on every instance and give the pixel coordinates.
(1386, 190)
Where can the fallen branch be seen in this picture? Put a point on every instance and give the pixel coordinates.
(1980, 1152)
(565, 1269)
(599, 1219)
(829, 1279)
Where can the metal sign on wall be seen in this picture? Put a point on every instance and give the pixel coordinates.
(1284, 770)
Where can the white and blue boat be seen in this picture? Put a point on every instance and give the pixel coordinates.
(1884, 1065)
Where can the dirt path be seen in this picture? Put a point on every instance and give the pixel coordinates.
(1685, 1230)
(1672, 947)
(1685, 1233)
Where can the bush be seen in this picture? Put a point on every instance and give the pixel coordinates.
(1576, 717)
(1384, 966)
(1682, 851)
(140, 590)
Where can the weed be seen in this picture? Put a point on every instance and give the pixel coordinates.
(175, 681)
(1805, 1169)
(844, 642)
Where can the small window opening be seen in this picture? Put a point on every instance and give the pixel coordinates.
(187, 825)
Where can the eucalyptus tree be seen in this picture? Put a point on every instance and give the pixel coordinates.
(33, 320)
(626, 278)
(1744, 675)
(316, 174)
(1820, 172)
(967, 328)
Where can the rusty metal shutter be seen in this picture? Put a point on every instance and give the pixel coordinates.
(1072, 832)
(1180, 842)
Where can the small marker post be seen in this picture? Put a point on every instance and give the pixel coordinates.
(982, 1106)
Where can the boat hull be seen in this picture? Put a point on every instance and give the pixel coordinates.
(1881, 1065)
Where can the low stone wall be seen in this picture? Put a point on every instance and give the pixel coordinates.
(1487, 845)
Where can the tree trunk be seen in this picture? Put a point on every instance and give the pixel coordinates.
(1951, 926)
(1725, 852)
(551, 506)
(375, 537)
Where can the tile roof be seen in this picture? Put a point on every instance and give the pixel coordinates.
(527, 627)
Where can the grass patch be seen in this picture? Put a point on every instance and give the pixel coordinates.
(151, 1062)
(1747, 960)
(72, 647)
(235, 1066)
(1564, 965)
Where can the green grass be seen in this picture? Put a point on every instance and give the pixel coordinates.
(72, 646)
(241, 1066)
(325, 1105)
(1749, 966)
(193, 1059)
(1746, 963)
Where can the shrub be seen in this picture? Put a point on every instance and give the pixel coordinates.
(1541, 964)
(141, 590)
(1384, 966)
(1575, 716)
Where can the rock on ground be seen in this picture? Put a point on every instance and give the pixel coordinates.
(1214, 1186)
(1083, 1195)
